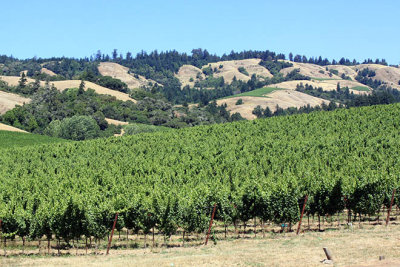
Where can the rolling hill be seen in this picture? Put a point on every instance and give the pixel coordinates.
(325, 77)
(122, 73)
(189, 74)
(326, 85)
(386, 74)
(230, 69)
(284, 98)
(310, 70)
(9, 101)
(62, 85)
(5, 127)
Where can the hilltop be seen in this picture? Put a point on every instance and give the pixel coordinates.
(9, 100)
(62, 85)
(134, 81)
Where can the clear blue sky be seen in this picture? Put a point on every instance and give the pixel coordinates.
(352, 28)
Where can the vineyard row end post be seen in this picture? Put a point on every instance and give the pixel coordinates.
(211, 222)
(112, 233)
(390, 207)
(302, 213)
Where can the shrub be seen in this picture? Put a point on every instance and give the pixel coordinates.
(243, 70)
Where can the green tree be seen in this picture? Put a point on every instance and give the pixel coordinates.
(79, 128)
(239, 102)
(81, 89)
(22, 81)
(258, 111)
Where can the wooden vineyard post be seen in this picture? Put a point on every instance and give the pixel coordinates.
(302, 213)
(328, 254)
(112, 233)
(211, 222)
(390, 207)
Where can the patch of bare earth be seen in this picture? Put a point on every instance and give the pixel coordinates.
(8, 101)
(4, 127)
(120, 72)
(62, 85)
(229, 69)
(283, 98)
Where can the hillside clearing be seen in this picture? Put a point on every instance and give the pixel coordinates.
(361, 247)
(326, 85)
(188, 74)
(5, 127)
(310, 70)
(8, 101)
(230, 68)
(386, 74)
(62, 85)
(346, 70)
(48, 72)
(120, 72)
(283, 98)
(116, 122)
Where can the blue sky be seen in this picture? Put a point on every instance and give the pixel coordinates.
(353, 29)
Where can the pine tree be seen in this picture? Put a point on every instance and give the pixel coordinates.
(115, 54)
(81, 89)
(22, 81)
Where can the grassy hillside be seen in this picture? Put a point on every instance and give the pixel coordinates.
(15, 139)
(257, 92)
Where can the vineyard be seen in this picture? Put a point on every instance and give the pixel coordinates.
(166, 182)
(16, 139)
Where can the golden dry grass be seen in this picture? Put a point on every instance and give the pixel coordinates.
(326, 85)
(116, 122)
(346, 70)
(230, 69)
(188, 72)
(357, 247)
(8, 101)
(120, 72)
(47, 71)
(62, 85)
(283, 98)
(310, 70)
(4, 127)
(386, 74)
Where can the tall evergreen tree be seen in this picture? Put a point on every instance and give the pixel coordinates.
(22, 80)
(81, 88)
